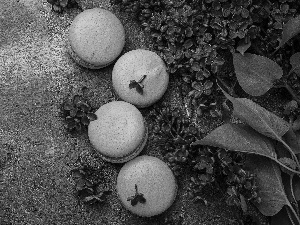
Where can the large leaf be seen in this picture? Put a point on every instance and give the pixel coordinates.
(290, 29)
(259, 118)
(256, 74)
(270, 185)
(241, 138)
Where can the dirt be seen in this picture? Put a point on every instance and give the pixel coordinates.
(36, 152)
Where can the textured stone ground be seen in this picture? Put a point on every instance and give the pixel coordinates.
(36, 153)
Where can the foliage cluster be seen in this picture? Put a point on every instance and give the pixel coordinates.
(78, 112)
(191, 35)
(272, 143)
(209, 166)
(87, 187)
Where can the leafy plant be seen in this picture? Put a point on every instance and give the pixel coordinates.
(86, 190)
(258, 137)
(77, 112)
(265, 134)
(60, 5)
(137, 198)
(173, 136)
(207, 166)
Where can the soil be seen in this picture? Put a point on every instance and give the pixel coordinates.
(37, 153)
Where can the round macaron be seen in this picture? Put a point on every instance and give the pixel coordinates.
(96, 38)
(119, 133)
(140, 77)
(146, 186)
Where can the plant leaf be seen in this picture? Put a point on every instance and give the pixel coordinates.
(91, 116)
(271, 190)
(290, 107)
(80, 113)
(288, 162)
(259, 118)
(139, 89)
(188, 43)
(133, 84)
(63, 3)
(293, 140)
(240, 138)
(83, 106)
(77, 173)
(85, 120)
(255, 73)
(243, 46)
(243, 203)
(71, 124)
(76, 99)
(295, 62)
(290, 29)
(296, 124)
(137, 86)
(68, 106)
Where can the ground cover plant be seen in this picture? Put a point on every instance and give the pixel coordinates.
(274, 142)
(78, 112)
(87, 182)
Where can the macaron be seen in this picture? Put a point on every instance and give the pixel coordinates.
(146, 186)
(96, 38)
(119, 133)
(140, 77)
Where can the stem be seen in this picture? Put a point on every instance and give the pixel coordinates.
(142, 79)
(291, 152)
(272, 54)
(288, 168)
(292, 70)
(290, 216)
(230, 90)
(295, 214)
(291, 91)
(295, 203)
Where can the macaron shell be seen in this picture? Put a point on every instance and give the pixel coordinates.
(80, 61)
(132, 66)
(97, 36)
(154, 180)
(118, 130)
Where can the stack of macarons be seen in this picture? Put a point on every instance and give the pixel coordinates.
(146, 186)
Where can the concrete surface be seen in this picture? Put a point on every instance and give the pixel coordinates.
(36, 152)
